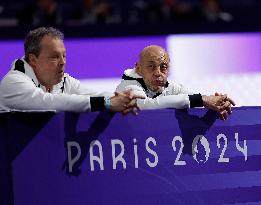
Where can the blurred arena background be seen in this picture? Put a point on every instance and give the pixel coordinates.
(214, 45)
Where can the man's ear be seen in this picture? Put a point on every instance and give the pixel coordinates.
(138, 68)
(32, 59)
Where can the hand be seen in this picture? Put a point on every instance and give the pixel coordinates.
(219, 103)
(125, 102)
(226, 98)
(226, 108)
(132, 105)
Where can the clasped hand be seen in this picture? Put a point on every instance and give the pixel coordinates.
(220, 103)
(125, 102)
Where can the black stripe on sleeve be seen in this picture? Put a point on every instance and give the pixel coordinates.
(97, 104)
(196, 100)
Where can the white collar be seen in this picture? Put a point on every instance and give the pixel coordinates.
(132, 73)
(28, 71)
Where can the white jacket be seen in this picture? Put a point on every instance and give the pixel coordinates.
(22, 91)
(173, 95)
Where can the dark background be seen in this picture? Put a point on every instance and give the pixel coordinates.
(104, 18)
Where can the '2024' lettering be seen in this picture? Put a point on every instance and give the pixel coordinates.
(204, 142)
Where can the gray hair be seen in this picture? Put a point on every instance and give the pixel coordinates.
(32, 43)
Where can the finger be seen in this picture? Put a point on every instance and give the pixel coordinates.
(229, 110)
(122, 94)
(218, 94)
(224, 97)
(138, 109)
(128, 92)
(138, 97)
(220, 108)
(125, 93)
(135, 111)
(221, 117)
(224, 114)
(226, 104)
(219, 100)
(231, 101)
(227, 107)
(132, 103)
(131, 93)
(126, 111)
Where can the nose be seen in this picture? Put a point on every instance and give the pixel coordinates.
(157, 71)
(62, 60)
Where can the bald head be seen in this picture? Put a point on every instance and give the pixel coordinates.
(153, 67)
(153, 52)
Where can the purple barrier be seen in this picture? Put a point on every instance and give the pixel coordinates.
(159, 157)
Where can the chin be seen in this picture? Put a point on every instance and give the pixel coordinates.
(157, 89)
(59, 80)
(160, 90)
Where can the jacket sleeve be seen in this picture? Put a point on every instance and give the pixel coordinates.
(18, 92)
(179, 101)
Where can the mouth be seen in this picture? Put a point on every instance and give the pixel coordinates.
(159, 82)
(61, 72)
(60, 75)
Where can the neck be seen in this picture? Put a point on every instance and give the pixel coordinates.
(48, 88)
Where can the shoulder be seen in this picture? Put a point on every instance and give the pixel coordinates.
(16, 82)
(131, 73)
(14, 76)
(129, 81)
(129, 84)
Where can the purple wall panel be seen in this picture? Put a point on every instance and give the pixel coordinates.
(89, 58)
(9, 50)
(105, 58)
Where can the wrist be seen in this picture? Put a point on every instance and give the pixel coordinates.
(107, 103)
(204, 100)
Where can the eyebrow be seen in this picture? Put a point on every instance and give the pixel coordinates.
(57, 52)
(164, 62)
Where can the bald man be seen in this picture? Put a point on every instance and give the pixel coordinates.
(149, 79)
